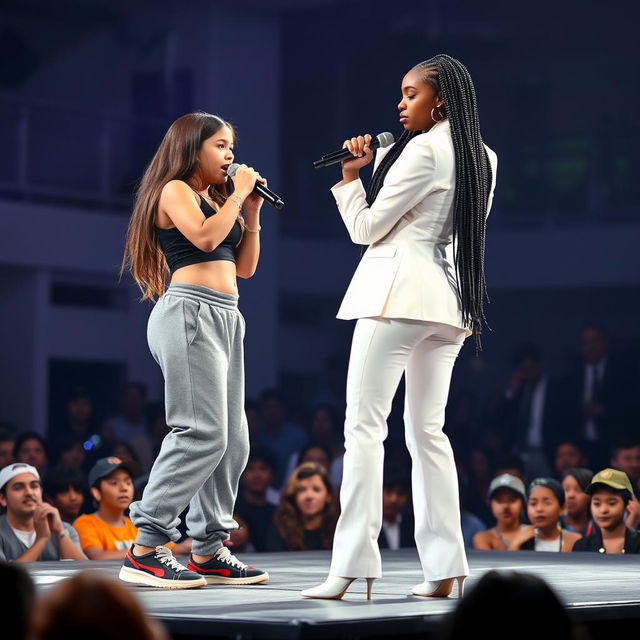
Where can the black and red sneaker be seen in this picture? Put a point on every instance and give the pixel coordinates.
(159, 568)
(225, 568)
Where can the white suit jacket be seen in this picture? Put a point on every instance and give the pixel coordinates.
(407, 272)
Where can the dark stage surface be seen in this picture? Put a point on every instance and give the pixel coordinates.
(595, 589)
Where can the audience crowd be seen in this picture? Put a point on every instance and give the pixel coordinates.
(546, 465)
(526, 463)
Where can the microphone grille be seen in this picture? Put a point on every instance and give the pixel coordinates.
(385, 139)
(231, 171)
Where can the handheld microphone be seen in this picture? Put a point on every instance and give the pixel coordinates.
(381, 140)
(264, 192)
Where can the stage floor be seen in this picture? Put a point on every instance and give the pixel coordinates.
(593, 588)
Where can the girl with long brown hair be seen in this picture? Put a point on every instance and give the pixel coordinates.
(308, 511)
(187, 231)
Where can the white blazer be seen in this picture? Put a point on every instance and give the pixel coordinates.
(407, 271)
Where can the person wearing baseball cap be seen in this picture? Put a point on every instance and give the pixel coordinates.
(611, 492)
(507, 497)
(31, 529)
(108, 533)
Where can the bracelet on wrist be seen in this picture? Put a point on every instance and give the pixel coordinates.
(253, 230)
(237, 199)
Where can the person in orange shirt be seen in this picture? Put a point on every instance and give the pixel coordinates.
(108, 534)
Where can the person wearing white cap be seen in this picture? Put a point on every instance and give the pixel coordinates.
(31, 529)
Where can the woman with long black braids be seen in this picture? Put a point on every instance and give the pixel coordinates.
(417, 294)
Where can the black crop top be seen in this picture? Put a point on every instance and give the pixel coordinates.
(179, 252)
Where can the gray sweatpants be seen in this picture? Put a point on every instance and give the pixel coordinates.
(195, 334)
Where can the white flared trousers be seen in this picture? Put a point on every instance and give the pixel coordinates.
(382, 350)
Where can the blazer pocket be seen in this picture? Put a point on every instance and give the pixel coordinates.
(381, 251)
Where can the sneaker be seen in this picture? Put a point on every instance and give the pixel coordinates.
(159, 568)
(225, 568)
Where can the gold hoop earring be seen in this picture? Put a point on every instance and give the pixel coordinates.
(442, 116)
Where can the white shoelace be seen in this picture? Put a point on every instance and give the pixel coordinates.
(224, 555)
(164, 556)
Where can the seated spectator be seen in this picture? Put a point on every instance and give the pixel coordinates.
(311, 452)
(507, 497)
(126, 453)
(18, 598)
(91, 606)
(326, 427)
(64, 488)
(31, 529)
(397, 525)
(576, 515)
(625, 456)
(508, 605)
(70, 452)
(7, 444)
(108, 533)
(31, 448)
(544, 508)
(308, 512)
(568, 455)
(130, 424)
(78, 420)
(610, 492)
(253, 503)
(282, 437)
(477, 477)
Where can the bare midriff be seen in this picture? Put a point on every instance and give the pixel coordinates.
(219, 275)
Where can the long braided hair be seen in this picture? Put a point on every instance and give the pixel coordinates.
(473, 181)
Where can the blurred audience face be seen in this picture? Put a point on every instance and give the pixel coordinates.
(543, 507)
(394, 499)
(115, 491)
(607, 508)
(316, 454)
(576, 501)
(321, 426)
(22, 494)
(6, 452)
(628, 460)
(79, 410)
(73, 456)
(568, 456)
(68, 503)
(479, 465)
(311, 496)
(32, 452)
(133, 402)
(272, 412)
(257, 477)
(506, 506)
(593, 345)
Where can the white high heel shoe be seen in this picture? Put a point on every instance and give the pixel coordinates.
(439, 588)
(333, 588)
